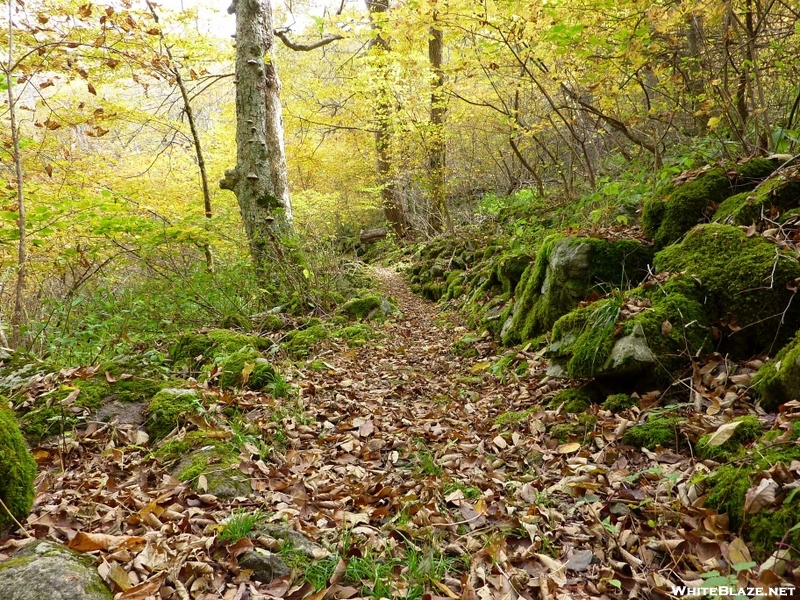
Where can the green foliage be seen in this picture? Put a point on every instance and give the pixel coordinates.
(18, 469)
(239, 525)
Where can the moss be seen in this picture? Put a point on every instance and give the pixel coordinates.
(18, 471)
(618, 402)
(668, 218)
(771, 199)
(514, 417)
(361, 308)
(580, 429)
(236, 321)
(778, 381)
(727, 488)
(214, 343)
(232, 369)
(744, 281)
(660, 431)
(355, 335)
(298, 343)
(170, 408)
(575, 400)
(509, 268)
(748, 430)
(269, 322)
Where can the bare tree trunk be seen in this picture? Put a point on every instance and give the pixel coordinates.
(440, 215)
(259, 179)
(198, 149)
(18, 317)
(392, 206)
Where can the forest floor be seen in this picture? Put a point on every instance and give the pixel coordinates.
(423, 464)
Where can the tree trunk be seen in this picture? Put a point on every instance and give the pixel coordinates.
(18, 317)
(392, 206)
(260, 180)
(440, 215)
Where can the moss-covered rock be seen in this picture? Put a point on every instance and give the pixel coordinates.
(650, 328)
(778, 381)
(170, 408)
(773, 197)
(299, 342)
(748, 429)
(214, 343)
(245, 368)
(658, 431)
(18, 471)
(744, 282)
(574, 400)
(44, 570)
(356, 335)
(565, 272)
(681, 207)
(509, 268)
(365, 306)
(618, 402)
(218, 463)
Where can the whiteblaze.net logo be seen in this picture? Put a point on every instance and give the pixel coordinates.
(724, 590)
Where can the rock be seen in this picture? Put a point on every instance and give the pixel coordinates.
(580, 560)
(294, 539)
(218, 464)
(771, 198)
(746, 283)
(18, 469)
(680, 207)
(265, 566)
(654, 329)
(43, 570)
(126, 413)
(245, 368)
(778, 381)
(170, 408)
(565, 272)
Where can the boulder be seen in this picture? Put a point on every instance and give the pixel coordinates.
(747, 285)
(169, 408)
(566, 271)
(772, 198)
(17, 471)
(265, 566)
(245, 368)
(681, 206)
(214, 469)
(778, 381)
(44, 570)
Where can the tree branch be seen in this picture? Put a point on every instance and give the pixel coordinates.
(282, 35)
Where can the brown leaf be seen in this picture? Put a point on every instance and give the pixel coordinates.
(91, 89)
(723, 434)
(88, 542)
(144, 589)
(761, 496)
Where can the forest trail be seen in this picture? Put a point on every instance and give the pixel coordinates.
(422, 461)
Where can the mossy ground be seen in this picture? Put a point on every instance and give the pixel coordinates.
(770, 200)
(362, 307)
(170, 408)
(299, 342)
(245, 368)
(618, 402)
(728, 486)
(659, 431)
(778, 381)
(749, 429)
(217, 342)
(574, 400)
(18, 471)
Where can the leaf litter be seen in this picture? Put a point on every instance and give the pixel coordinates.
(393, 463)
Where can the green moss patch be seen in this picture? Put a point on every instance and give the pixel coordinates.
(744, 282)
(214, 343)
(170, 408)
(18, 471)
(771, 199)
(778, 381)
(217, 462)
(575, 400)
(618, 402)
(245, 368)
(749, 429)
(299, 342)
(681, 207)
(364, 307)
(659, 431)
(356, 335)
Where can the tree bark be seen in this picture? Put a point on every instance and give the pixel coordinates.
(260, 179)
(440, 215)
(18, 316)
(392, 206)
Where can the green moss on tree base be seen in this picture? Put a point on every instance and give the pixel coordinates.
(18, 471)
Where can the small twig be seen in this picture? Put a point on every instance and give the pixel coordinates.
(13, 518)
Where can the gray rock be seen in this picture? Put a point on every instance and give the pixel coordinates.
(265, 566)
(127, 413)
(631, 353)
(295, 540)
(43, 570)
(222, 474)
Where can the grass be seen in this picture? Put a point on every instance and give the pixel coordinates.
(239, 526)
